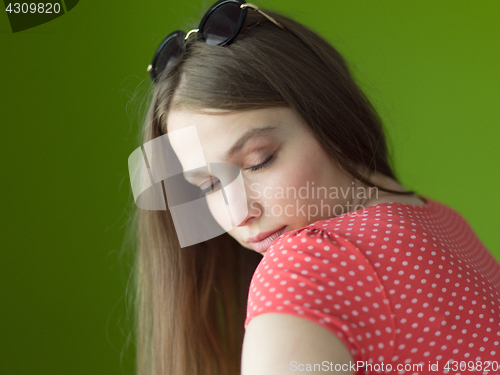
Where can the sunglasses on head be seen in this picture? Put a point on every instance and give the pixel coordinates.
(219, 26)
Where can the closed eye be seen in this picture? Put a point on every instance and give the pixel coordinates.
(217, 185)
(264, 164)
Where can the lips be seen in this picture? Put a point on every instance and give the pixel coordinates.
(262, 241)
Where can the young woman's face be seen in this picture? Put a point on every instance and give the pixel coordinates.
(282, 166)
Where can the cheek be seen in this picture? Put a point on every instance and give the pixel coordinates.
(307, 161)
(299, 171)
(219, 210)
(316, 166)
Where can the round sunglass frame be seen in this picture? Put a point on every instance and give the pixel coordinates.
(176, 40)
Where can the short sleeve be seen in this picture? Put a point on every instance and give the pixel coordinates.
(320, 276)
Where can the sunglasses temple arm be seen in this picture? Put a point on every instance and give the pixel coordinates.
(256, 8)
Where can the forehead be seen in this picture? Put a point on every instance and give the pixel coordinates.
(218, 130)
(209, 120)
(210, 125)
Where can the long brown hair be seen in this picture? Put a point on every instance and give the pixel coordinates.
(191, 302)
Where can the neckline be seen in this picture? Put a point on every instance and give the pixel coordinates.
(415, 206)
(426, 206)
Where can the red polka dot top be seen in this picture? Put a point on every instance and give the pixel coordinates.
(398, 284)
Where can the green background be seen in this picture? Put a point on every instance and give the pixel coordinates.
(71, 94)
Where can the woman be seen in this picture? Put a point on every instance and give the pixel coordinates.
(358, 274)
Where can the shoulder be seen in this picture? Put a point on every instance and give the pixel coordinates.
(288, 326)
(318, 276)
(277, 344)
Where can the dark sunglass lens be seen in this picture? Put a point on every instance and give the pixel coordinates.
(221, 24)
(168, 54)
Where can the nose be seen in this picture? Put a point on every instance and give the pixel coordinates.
(254, 205)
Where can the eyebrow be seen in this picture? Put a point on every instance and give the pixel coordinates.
(237, 146)
(252, 133)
